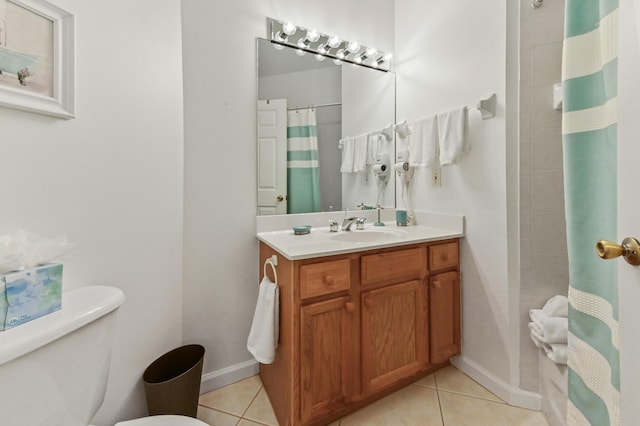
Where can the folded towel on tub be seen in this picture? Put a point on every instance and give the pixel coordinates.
(557, 306)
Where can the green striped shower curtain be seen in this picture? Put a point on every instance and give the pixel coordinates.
(303, 180)
(589, 75)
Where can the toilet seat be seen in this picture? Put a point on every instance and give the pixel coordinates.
(165, 420)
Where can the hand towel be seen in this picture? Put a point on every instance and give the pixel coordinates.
(347, 155)
(263, 336)
(451, 135)
(360, 154)
(373, 147)
(557, 306)
(424, 140)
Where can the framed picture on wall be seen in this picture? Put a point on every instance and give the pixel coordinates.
(37, 57)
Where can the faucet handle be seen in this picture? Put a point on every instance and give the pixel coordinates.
(333, 226)
(360, 223)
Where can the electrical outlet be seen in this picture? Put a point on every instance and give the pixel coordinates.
(436, 177)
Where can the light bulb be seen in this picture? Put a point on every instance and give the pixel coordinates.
(334, 42)
(311, 37)
(353, 47)
(331, 43)
(370, 51)
(382, 59)
(320, 58)
(289, 28)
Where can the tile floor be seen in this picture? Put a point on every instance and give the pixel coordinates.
(448, 398)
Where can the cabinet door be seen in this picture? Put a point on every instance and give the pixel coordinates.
(444, 311)
(326, 338)
(394, 334)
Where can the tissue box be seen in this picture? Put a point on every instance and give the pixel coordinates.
(29, 294)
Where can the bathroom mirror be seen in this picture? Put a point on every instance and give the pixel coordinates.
(304, 102)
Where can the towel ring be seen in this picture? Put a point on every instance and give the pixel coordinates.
(273, 264)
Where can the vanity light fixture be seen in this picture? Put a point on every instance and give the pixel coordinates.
(288, 28)
(386, 58)
(310, 37)
(366, 54)
(325, 46)
(331, 43)
(352, 47)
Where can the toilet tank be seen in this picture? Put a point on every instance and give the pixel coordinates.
(54, 370)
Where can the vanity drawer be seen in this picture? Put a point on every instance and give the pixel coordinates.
(443, 256)
(317, 279)
(396, 266)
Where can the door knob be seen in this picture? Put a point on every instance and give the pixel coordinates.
(629, 249)
(280, 198)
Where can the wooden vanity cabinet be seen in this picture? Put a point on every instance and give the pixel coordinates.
(326, 345)
(394, 334)
(356, 327)
(444, 301)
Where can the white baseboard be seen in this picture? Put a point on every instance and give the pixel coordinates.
(510, 394)
(234, 373)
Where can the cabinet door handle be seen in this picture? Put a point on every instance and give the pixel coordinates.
(350, 306)
(445, 257)
(437, 284)
(329, 280)
(368, 302)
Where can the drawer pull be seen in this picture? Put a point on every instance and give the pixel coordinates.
(437, 284)
(329, 280)
(445, 257)
(350, 306)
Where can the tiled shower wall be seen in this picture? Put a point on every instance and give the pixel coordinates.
(543, 247)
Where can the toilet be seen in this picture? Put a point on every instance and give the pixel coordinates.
(54, 370)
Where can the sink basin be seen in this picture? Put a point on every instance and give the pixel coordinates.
(368, 236)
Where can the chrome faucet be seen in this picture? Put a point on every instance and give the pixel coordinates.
(348, 221)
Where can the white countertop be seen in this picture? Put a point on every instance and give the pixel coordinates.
(321, 242)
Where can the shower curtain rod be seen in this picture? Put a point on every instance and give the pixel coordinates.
(315, 106)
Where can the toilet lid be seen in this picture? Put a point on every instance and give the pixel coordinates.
(163, 421)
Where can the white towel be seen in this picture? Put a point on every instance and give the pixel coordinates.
(557, 306)
(556, 352)
(263, 337)
(373, 147)
(424, 140)
(451, 135)
(348, 149)
(360, 153)
(549, 330)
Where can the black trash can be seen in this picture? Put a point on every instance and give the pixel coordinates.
(172, 382)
